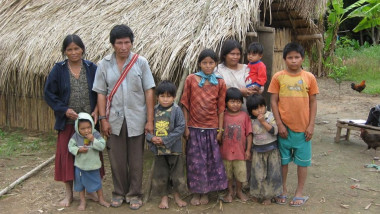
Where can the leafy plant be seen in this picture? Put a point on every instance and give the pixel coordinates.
(369, 10)
(337, 71)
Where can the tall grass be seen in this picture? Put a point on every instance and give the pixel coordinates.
(362, 64)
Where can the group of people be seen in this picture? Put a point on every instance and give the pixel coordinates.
(231, 138)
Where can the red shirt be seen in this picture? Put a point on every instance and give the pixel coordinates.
(236, 129)
(203, 103)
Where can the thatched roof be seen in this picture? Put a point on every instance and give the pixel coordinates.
(170, 34)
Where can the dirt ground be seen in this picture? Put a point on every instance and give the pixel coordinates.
(328, 184)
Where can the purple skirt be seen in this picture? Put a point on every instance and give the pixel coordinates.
(205, 169)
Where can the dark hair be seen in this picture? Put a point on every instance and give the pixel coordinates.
(254, 101)
(83, 120)
(227, 47)
(72, 38)
(255, 48)
(234, 94)
(166, 87)
(207, 53)
(293, 46)
(121, 31)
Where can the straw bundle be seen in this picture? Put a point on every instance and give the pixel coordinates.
(282, 37)
(165, 30)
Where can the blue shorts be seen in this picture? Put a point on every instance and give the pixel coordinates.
(295, 148)
(89, 180)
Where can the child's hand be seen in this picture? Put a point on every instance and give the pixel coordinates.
(83, 149)
(186, 134)
(219, 137)
(247, 155)
(282, 131)
(261, 118)
(157, 140)
(90, 136)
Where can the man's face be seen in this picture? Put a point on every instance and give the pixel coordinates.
(122, 47)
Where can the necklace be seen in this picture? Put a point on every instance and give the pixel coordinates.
(76, 74)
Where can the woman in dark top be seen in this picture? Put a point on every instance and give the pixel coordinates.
(68, 91)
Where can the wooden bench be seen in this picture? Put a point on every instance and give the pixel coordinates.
(351, 125)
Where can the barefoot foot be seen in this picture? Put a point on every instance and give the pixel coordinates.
(204, 199)
(93, 196)
(266, 202)
(179, 201)
(104, 203)
(82, 205)
(66, 201)
(196, 199)
(227, 198)
(164, 202)
(242, 196)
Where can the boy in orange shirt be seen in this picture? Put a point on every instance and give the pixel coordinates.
(294, 106)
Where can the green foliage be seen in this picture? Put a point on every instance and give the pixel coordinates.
(369, 10)
(345, 42)
(16, 142)
(338, 71)
(362, 64)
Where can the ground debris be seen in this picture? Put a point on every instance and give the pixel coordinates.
(354, 179)
(345, 206)
(368, 206)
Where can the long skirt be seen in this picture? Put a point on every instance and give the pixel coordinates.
(205, 169)
(64, 160)
(266, 178)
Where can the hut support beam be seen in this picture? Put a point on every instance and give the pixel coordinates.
(309, 37)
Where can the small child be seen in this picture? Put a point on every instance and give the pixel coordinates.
(236, 144)
(256, 74)
(294, 106)
(203, 102)
(166, 144)
(85, 145)
(266, 182)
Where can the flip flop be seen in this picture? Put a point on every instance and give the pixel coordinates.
(281, 197)
(303, 199)
(135, 203)
(116, 202)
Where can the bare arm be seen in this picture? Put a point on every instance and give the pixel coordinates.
(220, 125)
(149, 100)
(281, 127)
(106, 127)
(186, 134)
(313, 112)
(249, 146)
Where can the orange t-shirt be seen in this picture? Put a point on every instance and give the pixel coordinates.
(294, 91)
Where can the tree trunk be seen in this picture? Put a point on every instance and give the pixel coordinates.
(374, 41)
(361, 38)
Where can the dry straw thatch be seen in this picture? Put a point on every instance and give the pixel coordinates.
(169, 33)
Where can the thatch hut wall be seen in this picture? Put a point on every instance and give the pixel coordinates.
(26, 112)
(282, 37)
(170, 34)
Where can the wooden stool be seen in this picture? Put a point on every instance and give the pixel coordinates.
(351, 125)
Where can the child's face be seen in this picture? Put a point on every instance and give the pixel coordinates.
(207, 65)
(85, 128)
(254, 57)
(234, 106)
(165, 99)
(293, 61)
(260, 110)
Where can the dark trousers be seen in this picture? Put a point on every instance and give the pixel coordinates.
(168, 173)
(126, 158)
